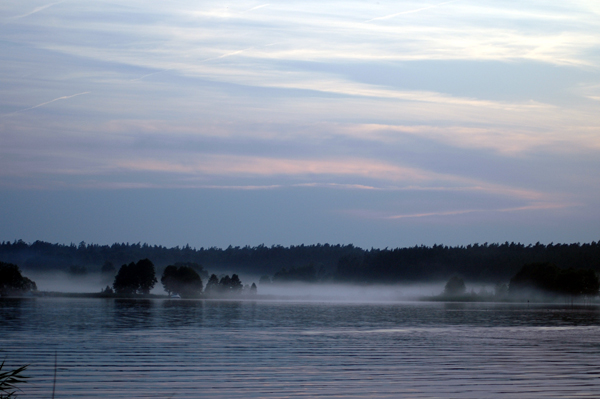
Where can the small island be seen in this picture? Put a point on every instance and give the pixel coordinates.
(13, 283)
(136, 280)
(181, 280)
(535, 282)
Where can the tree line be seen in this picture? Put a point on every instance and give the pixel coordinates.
(548, 278)
(181, 280)
(184, 280)
(260, 259)
(489, 263)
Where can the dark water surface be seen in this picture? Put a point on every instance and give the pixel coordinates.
(219, 349)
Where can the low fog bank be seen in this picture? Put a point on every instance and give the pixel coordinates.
(349, 292)
(69, 283)
(333, 292)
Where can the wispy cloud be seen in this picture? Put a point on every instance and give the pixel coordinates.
(44, 103)
(324, 35)
(36, 10)
(261, 166)
(256, 8)
(355, 168)
(506, 141)
(237, 187)
(183, 69)
(410, 11)
(339, 185)
(537, 206)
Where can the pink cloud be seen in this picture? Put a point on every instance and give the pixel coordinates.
(244, 165)
(535, 206)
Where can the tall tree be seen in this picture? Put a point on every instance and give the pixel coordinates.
(455, 286)
(212, 286)
(235, 284)
(253, 289)
(146, 274)
(135, 278)
(225, 285)
(182, 280)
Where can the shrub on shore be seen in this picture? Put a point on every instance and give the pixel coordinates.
(12, 282)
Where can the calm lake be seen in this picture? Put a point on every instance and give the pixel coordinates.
(113, 348)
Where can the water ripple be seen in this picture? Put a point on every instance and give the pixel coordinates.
(220, 349)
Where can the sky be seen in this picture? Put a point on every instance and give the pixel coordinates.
(373, 123)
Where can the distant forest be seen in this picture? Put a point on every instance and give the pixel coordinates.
(490, 263)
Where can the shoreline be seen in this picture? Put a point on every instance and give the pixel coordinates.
(101, 295)
(467, 298)
(474, 298)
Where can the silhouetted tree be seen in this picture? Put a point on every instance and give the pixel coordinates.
(235, 285)
(455, 286)
(107, 291)
(169, 279)
(182, 280)
(135, 278)
(126, 282)
(212, 286)
(147, 275)
(225, 285)
(12, 282)
(253, 289)
(198, 268)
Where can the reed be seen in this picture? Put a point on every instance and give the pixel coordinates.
(9, 380)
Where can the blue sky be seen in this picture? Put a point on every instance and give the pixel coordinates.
(377, 123)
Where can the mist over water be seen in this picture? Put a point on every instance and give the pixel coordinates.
(350, 292)
(326, 292)
(65, 282)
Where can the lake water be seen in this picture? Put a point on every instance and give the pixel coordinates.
(114, 348)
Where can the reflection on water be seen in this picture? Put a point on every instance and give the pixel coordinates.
(187, 348)
(182, 313)
(133, 313)
(10, 309)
